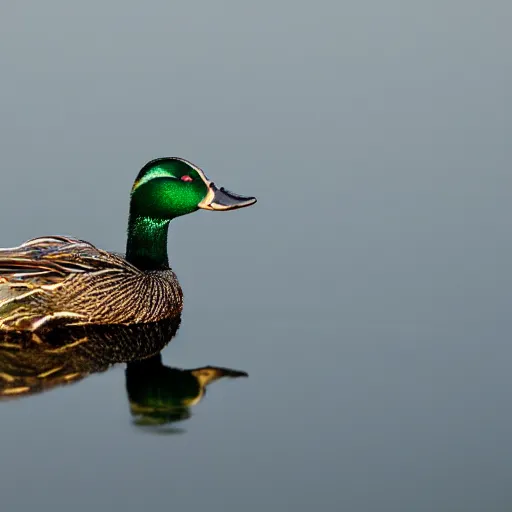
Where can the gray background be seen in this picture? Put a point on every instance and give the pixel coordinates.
(368, 292)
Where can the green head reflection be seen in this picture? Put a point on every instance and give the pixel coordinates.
(161, 394)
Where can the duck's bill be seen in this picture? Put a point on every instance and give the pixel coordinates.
(222, 199)
(209, 374)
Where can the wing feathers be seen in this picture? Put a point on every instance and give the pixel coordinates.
(59, 255)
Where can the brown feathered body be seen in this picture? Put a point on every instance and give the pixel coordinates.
(47, 280)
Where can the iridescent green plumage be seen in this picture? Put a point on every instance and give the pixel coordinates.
(60, 279)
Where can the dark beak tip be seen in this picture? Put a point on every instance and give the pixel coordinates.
(235, 374)
(247, 202)
(226, 200)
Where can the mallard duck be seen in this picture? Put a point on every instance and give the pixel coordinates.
(61, 279)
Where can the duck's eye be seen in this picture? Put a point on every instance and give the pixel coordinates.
(187, 178)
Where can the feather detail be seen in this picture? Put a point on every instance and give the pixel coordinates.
(60, 278)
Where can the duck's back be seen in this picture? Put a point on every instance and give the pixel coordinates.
(58, 278)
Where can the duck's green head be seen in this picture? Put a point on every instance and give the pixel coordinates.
(170, 187)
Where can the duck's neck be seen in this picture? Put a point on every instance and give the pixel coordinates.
(146, 247)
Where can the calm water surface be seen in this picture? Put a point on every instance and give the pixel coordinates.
(367, 295)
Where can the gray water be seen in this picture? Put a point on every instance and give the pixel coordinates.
(368, 292)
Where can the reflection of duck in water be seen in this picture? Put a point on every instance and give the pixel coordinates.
(32, 363)
(161, 394)
(67, 280)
